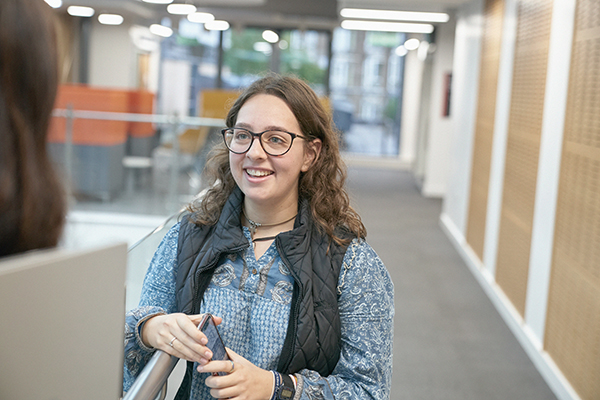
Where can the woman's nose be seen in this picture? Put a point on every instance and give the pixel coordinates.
(256, 151)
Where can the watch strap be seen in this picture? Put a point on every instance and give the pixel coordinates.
(287, 390)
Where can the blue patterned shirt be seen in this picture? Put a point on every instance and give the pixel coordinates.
(253, 297)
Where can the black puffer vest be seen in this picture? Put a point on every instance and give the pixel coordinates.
(314, 330)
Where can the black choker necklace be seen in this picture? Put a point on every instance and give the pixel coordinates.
(255, 225)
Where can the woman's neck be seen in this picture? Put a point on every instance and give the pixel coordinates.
(262, 221)
(269, 215)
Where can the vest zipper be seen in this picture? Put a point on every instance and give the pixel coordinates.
(289, 347)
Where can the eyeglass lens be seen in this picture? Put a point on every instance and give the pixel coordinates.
(274, 142)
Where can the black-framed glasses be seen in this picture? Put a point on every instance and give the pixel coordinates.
(273, 142)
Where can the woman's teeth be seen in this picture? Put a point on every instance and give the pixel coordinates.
(253, 172)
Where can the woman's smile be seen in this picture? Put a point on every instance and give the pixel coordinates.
(258, 172)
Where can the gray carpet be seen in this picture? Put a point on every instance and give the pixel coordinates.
(449, 340)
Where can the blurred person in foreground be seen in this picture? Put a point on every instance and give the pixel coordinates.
(275, 250)
(32, 208)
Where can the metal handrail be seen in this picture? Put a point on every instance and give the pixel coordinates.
(155, 230)
(153, 378)
(133, 117)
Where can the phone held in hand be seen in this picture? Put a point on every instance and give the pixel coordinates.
(215, 343)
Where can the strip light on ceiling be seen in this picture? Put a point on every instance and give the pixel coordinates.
(54, 3)
(161, 30)
(78, 11)
(110, 19)
(217, 25)
(386, 26)
(391, 15)
(181, 9)
(200, 17)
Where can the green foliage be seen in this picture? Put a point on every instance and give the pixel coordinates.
(303, 68)
(391, 108)
(241, 57)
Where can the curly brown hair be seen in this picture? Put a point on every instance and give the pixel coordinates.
(322, 185)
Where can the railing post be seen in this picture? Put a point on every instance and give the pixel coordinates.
(175, 126)
(69, 151)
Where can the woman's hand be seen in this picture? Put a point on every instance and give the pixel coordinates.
(177, 334)
(246, 382)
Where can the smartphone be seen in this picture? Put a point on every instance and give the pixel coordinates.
(215, 343)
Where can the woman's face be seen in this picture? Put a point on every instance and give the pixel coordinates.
(267, 180)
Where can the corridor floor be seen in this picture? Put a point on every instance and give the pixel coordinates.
(449, 340)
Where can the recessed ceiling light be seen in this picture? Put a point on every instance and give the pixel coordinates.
(181, 9)
(217, 25)
(270, 36)
(263, 47)
(412, 44)
(54, 3)
(158, 1)
(110, 19)
(201, 17)
(401, 51)
(386, 26)
(392, 15)
(78, 11)
(161, 30)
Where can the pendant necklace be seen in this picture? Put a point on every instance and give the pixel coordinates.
(255, 225)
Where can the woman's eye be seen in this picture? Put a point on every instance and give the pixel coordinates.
(242, 136)
(275, 138)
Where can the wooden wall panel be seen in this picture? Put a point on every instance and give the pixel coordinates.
(523, 145)
(484, 129)
(573, 318)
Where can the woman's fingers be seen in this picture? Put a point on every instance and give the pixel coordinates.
(193, 342)
(215, 366)
(177, 335)
(244, 380)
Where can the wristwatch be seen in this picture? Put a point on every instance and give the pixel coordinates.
(287, 390)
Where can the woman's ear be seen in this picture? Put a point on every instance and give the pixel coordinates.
(311, 153)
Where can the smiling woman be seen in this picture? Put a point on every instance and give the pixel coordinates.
(277, 252)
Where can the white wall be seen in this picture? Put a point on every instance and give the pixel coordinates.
(465, 76)
(175, 86)
(441, 128)
(112, 60)
(411, 101)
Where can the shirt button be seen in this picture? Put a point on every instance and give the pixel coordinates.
(254, 271)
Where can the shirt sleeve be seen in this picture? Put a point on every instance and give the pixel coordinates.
(157, 297)
(366, 306)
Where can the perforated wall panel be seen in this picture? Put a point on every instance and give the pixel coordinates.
(484, 129)
(573, 318)
(523, 145)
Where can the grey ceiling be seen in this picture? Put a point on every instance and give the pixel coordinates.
(321, 14)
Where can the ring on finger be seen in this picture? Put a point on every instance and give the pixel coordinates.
(232, 366)
(172, 340)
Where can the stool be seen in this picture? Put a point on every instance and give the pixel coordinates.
(134, 167)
